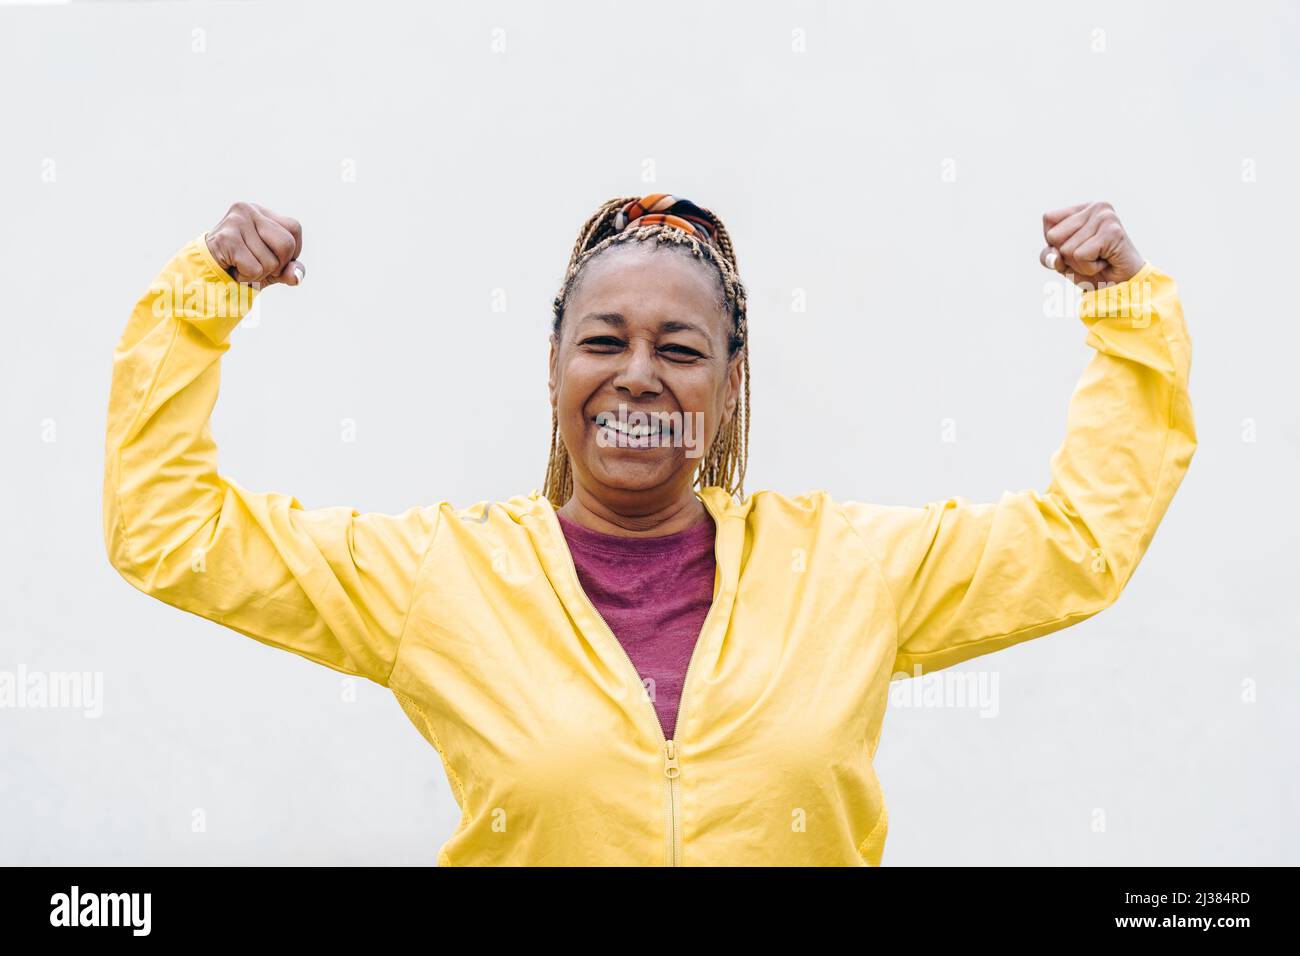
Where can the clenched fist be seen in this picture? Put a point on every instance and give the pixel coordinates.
(1088, 244)
(254, 244)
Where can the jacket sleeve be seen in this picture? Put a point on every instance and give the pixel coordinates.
(970, 578)
(331, 585)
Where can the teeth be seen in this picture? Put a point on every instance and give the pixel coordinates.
(632, 431)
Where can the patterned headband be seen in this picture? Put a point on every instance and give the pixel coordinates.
(670, 210)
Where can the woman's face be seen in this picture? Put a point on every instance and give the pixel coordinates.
(644, 329)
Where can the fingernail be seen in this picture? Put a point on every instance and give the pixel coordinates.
(1051, 260)
(300, 273)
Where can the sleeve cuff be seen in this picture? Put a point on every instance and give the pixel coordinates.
(209, 261)
(1130, 299)
(213, 302)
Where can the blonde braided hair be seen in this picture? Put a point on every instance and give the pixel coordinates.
(724, 463)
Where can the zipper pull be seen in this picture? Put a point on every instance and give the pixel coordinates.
(670, 759)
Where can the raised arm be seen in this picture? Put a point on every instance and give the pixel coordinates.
(971, 578)
(331, 585)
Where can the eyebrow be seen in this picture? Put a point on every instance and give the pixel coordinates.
(672, 325)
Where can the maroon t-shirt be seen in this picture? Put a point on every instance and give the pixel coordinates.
(654, 594)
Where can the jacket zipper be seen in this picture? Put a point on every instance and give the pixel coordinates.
(671, 771)
(672, 768)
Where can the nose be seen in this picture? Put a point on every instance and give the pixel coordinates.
(637, 374)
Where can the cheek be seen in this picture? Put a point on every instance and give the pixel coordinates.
(715, 395)
(572, 376)
(576, 383)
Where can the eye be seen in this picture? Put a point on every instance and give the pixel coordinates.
(603, 343)
(682, 353)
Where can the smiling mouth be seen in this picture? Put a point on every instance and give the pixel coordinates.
(658, 431)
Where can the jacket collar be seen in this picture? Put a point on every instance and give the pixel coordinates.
(553, 552)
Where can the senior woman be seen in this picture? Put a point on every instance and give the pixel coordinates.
(640, 664)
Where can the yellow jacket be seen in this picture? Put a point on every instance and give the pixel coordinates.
(475, 619)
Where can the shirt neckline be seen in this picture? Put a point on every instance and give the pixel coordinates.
(589, 539)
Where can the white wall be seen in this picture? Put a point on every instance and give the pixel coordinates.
(474, 170)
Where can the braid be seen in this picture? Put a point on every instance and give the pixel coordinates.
(725, 461)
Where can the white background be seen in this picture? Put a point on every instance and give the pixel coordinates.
(474, 169)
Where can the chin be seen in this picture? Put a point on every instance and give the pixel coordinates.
(632, 475)
(633, 479)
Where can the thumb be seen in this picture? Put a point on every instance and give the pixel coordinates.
(1051, 257)
(292, 274)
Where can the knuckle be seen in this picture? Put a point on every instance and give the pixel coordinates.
(280, 243)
